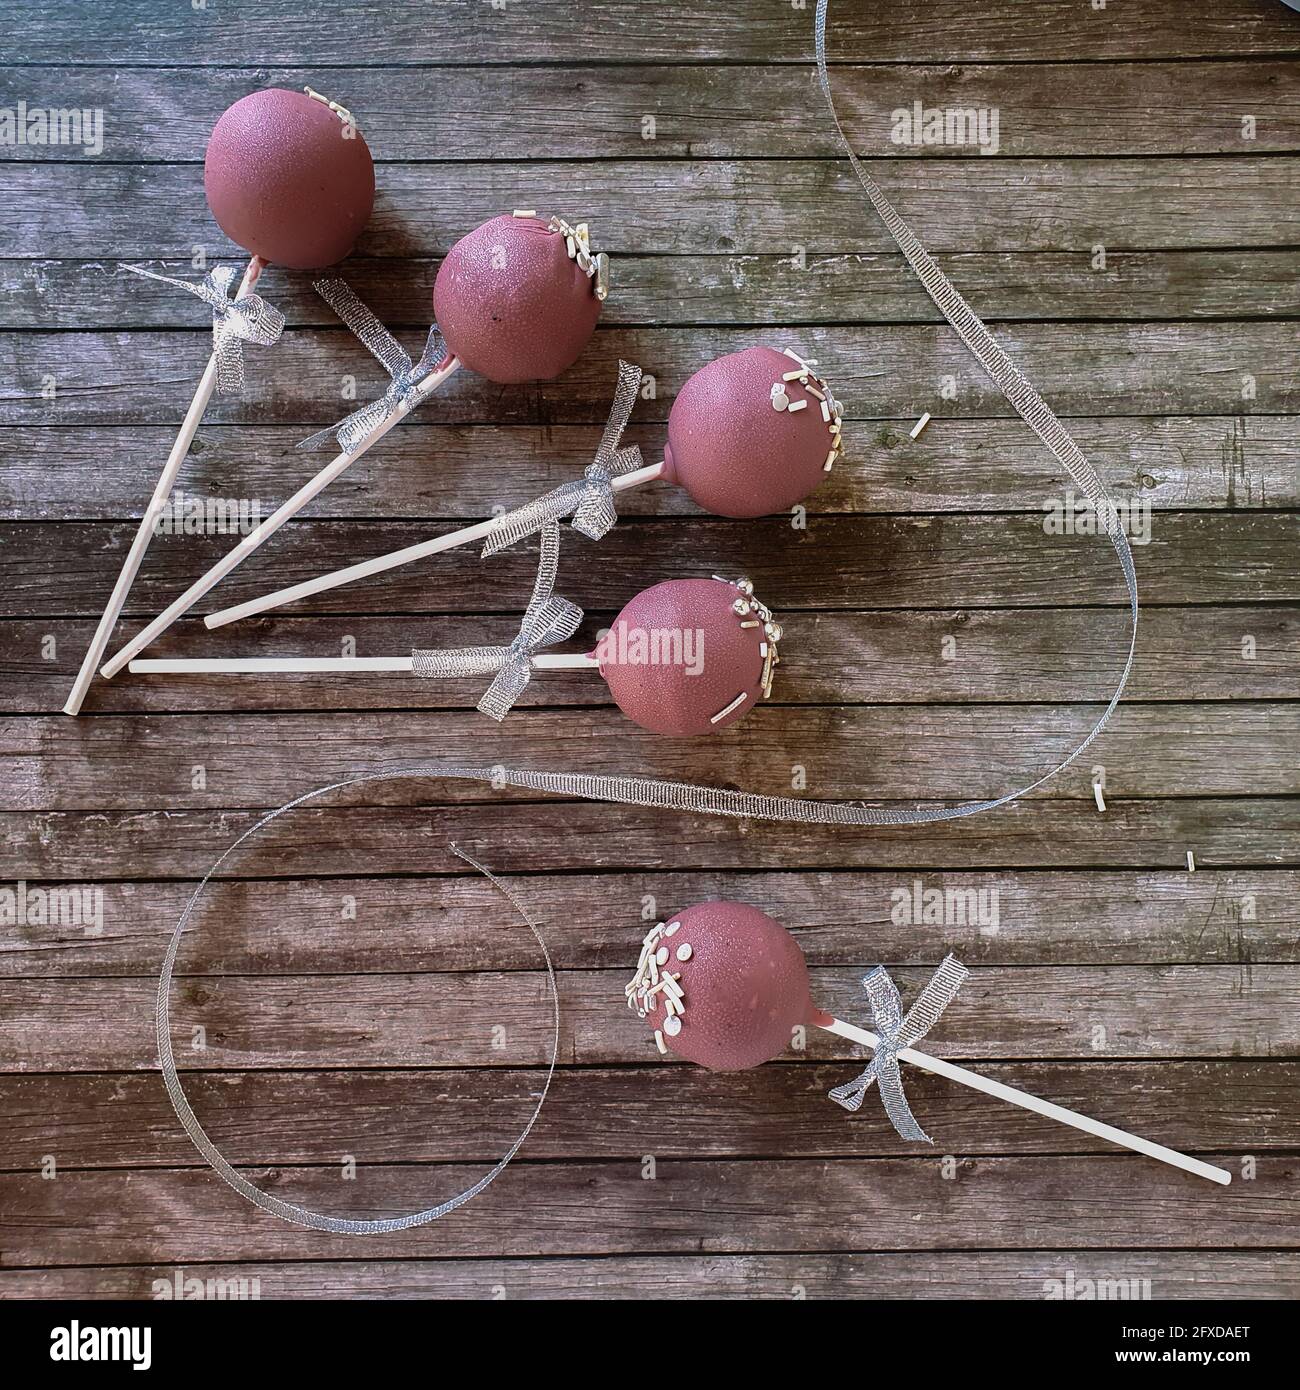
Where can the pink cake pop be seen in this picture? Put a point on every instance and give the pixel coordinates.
(752, 433)
(289, 178)
(518, 298)
(723, 985)
(690, 656)
(720, 648)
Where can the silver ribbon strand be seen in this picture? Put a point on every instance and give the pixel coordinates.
(402, 394)
(591, 497)
(895, 1033)
(277, 1206)
(547, 620)
(248, 319)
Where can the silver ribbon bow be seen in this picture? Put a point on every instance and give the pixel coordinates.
(895, 1033)
(402, 394)
(591, 497)
(248, 319)
(547, 620)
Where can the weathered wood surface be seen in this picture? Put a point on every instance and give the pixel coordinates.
(111, 212)
(501, 1018)
(943, 561)
(873, 287)
(614, 31)
(164, 115)
(1174, 1274)
(426, 469)
(883, 372)
(1134, 245)
(885, 753)
(1026, 1202)
(548, 836)
(334, 926)
(878, 657)
(450, 1115)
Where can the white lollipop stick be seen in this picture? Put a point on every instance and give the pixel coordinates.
(345, 665)
(427, 386)
(162, 491)
(395, 558)
(1040, 1107)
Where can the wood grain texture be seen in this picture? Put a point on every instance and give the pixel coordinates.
(536, 837)
(1134, 244)
(854, 287)
(616, 31)
(1024, 1274)
(429, 470)
(997, 657)
(107, 212)
(164, 115)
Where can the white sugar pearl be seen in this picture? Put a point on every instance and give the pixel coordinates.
(672, 1026)
(661, 955)
(684, 951)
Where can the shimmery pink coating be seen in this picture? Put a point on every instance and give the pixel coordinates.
(286, 182)
(731, 450)
(691, 620)
(511, 304)
(744, 987)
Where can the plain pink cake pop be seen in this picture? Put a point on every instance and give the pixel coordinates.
(288, 179)
(512, 303)
(722, 985)
(690, 656)
(744, 441)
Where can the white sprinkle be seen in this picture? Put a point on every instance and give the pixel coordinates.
(920, 424)
(672, 1026)
(672, 928)
(673, 989)
(735, 704)
(661, 955)
(1101, 800)
(1191, 862)
(525, 212)
(826, 411)
(798, 405)
(659, 1042)
(684, 951)
(793, 376)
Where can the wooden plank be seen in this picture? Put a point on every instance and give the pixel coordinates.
(741, 289)
(1032, 1274)
(586, 837)
(165, 114)
(1033, 654)
(1086, 369)
(277, 31)
(885, 753)
(830, 563)
(501, 1019)
(124, 1119)
(110, 212)
(90, 472)
(335, 926)
(546, 1209)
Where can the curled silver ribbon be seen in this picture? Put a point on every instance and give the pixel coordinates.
(277, 1206)
(548, 620)
(248, 319)
(402, 394)
(895, 1033)
(591, 497)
